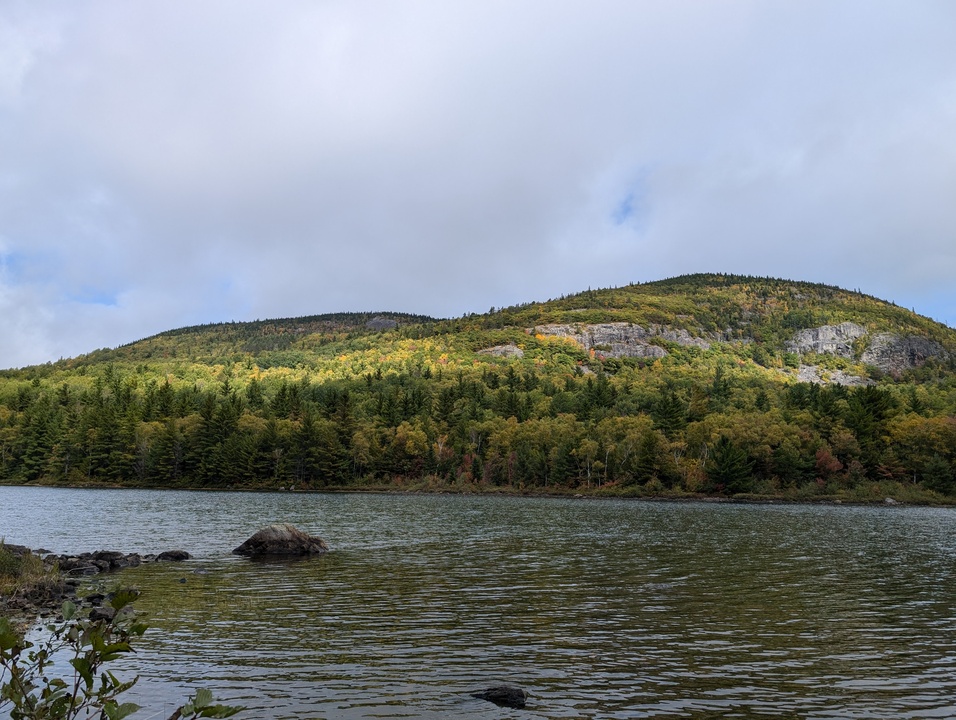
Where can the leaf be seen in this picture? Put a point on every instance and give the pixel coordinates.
(111, 652)
(8, 638)
(202, 698)
(123, 687)
(123, 597)
(68, 610)
(82, 666)
(118, 712)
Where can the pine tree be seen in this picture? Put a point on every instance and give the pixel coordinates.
(728, 468)
(670, 414)
(937, 474)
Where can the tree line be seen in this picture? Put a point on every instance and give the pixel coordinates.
(715, 428)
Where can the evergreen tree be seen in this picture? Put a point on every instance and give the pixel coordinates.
(670, 413)
(170, 452)
(728, 468)
(937, 475)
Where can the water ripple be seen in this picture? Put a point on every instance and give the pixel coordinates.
(604, 609)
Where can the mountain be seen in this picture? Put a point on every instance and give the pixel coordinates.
(700, 384)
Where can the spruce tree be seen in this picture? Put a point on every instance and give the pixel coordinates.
(728, 468)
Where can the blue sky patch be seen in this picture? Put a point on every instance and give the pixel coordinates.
(631, 209)
(95, 296)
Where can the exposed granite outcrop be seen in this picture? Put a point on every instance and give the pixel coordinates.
(820, 376)
(620, 339)
(827, 339)
(893, 353)
(503, 351)
(887, 351)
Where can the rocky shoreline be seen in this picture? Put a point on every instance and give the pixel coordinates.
(63, 576)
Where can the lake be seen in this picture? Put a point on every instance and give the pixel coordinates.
(598, 608)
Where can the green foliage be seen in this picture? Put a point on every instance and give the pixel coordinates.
(329, 402)
(32, 690)
(670, 413)
(728, 468)
(201, 705)
(938, 475)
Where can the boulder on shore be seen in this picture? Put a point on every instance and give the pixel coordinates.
(282, 539)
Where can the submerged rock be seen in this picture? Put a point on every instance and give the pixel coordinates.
(503, 696)
(282, 539)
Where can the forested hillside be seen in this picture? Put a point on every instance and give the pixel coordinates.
(703, 384)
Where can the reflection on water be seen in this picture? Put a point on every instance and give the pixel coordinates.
(600, 609)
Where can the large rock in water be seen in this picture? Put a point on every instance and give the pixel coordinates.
(282, 539)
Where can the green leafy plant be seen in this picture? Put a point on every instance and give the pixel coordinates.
(29, 690)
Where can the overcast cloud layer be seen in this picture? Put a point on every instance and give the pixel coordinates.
(171, 163)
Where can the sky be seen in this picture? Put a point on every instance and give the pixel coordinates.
(173, 163)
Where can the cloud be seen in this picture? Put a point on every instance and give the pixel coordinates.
(169, 164)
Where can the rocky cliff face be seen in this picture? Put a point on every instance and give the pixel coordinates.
(827, 339)
(887, 351)
(892, 353)
(508, 351)
(820, 376)
(624, 339)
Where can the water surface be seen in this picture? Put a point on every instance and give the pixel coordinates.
(600, 609)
